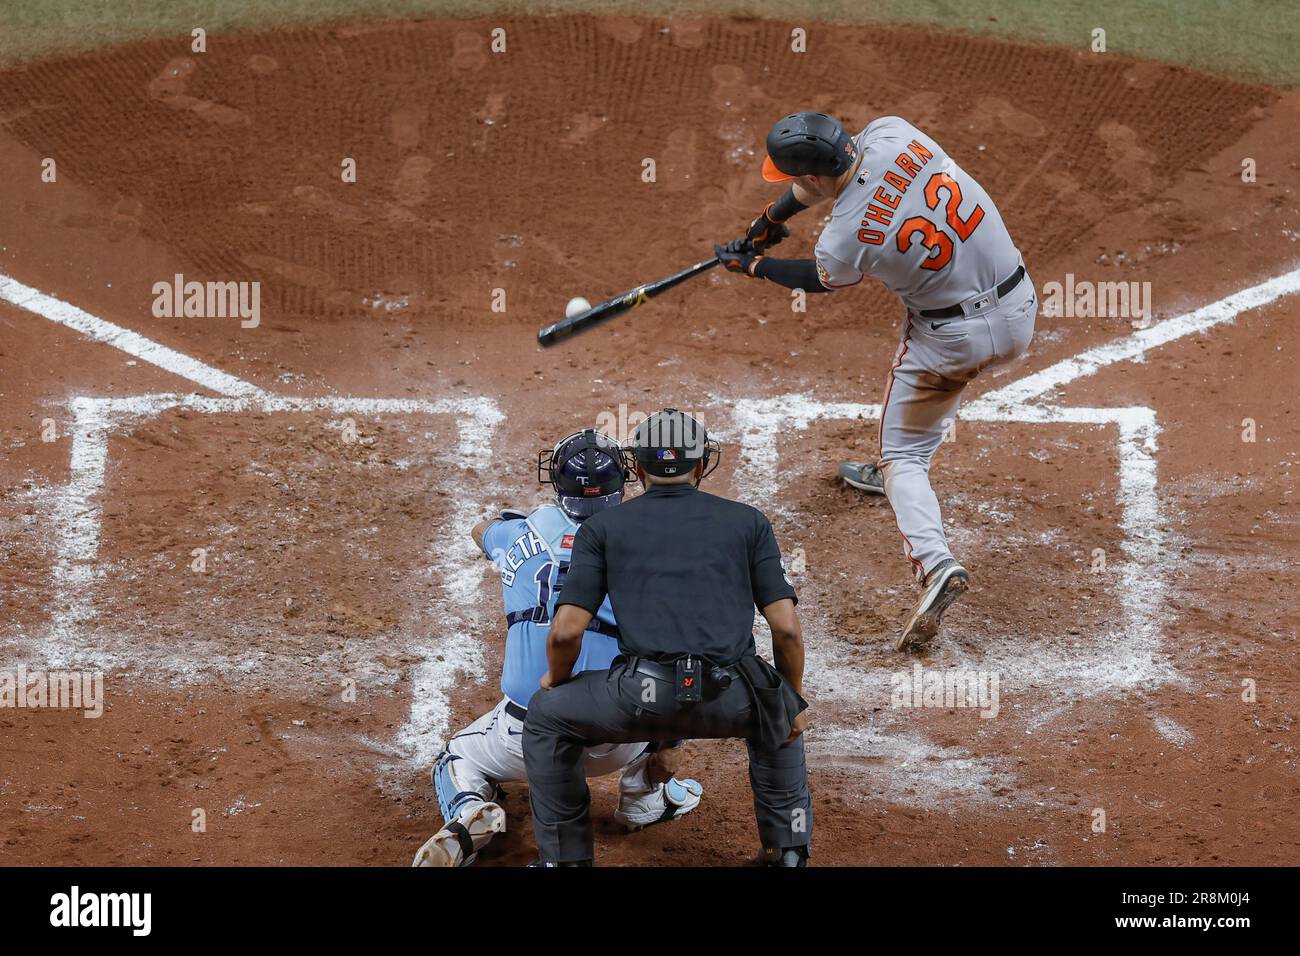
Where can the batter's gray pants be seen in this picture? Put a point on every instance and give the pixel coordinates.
(621, 707)
(934, 361)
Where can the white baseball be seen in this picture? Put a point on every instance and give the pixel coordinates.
(576, 304)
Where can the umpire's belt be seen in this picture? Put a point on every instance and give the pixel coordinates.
(977, 303)
(668, 672)
(531, 614)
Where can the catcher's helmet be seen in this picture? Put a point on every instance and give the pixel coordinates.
(808, 144)
(587, 471)
(671, 443)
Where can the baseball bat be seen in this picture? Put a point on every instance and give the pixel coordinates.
(610, 308)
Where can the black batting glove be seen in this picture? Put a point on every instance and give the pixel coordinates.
(765, 232)
(737, 255)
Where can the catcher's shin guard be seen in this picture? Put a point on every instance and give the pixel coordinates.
(458, 843)
(458, 789)
(471, 817)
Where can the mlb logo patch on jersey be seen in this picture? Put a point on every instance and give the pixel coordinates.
(666, 454)
(566, 541)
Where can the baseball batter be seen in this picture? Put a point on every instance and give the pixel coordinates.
(905, 214)
(532, 553)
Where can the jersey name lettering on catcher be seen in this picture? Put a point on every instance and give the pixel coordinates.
(915, 221)
(533, 559)
(512, 559)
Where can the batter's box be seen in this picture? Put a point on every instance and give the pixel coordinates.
(1033, 515)
(1109, 652)
(281, 538)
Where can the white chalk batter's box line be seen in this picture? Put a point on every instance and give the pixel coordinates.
(1126, 659)
(1131, 655)
(78, 523)
(456, 655)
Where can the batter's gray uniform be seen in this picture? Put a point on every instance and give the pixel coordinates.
(917, 222)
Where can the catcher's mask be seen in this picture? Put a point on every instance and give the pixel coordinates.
(587, 471)
(672, 443)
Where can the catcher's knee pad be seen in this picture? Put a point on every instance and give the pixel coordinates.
(457, 795)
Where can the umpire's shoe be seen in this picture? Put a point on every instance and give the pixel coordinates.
(865, 476)
(943, 586)
(790, 856)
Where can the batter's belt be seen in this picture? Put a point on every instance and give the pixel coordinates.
(975, 304)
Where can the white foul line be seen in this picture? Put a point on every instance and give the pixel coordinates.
(132, 343)
(1136, 345)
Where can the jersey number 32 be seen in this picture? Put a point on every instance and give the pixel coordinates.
(936, 240)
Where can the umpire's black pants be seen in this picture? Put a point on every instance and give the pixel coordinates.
(619, 706)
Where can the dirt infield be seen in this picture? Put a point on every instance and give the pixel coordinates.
(330, 461)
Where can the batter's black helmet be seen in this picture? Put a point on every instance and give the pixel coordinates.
(808, 144)
(587, 471)
(671, 443)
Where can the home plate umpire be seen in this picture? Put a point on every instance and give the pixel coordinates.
(684, 571)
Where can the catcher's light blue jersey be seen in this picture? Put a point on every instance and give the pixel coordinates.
(532, 556)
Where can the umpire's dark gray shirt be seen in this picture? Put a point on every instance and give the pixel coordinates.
(683, 569)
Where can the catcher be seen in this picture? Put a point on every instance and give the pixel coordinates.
(531, 551)
(903, 213)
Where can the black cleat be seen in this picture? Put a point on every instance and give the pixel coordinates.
(866, 476)
(943, 586)
(791, 856)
